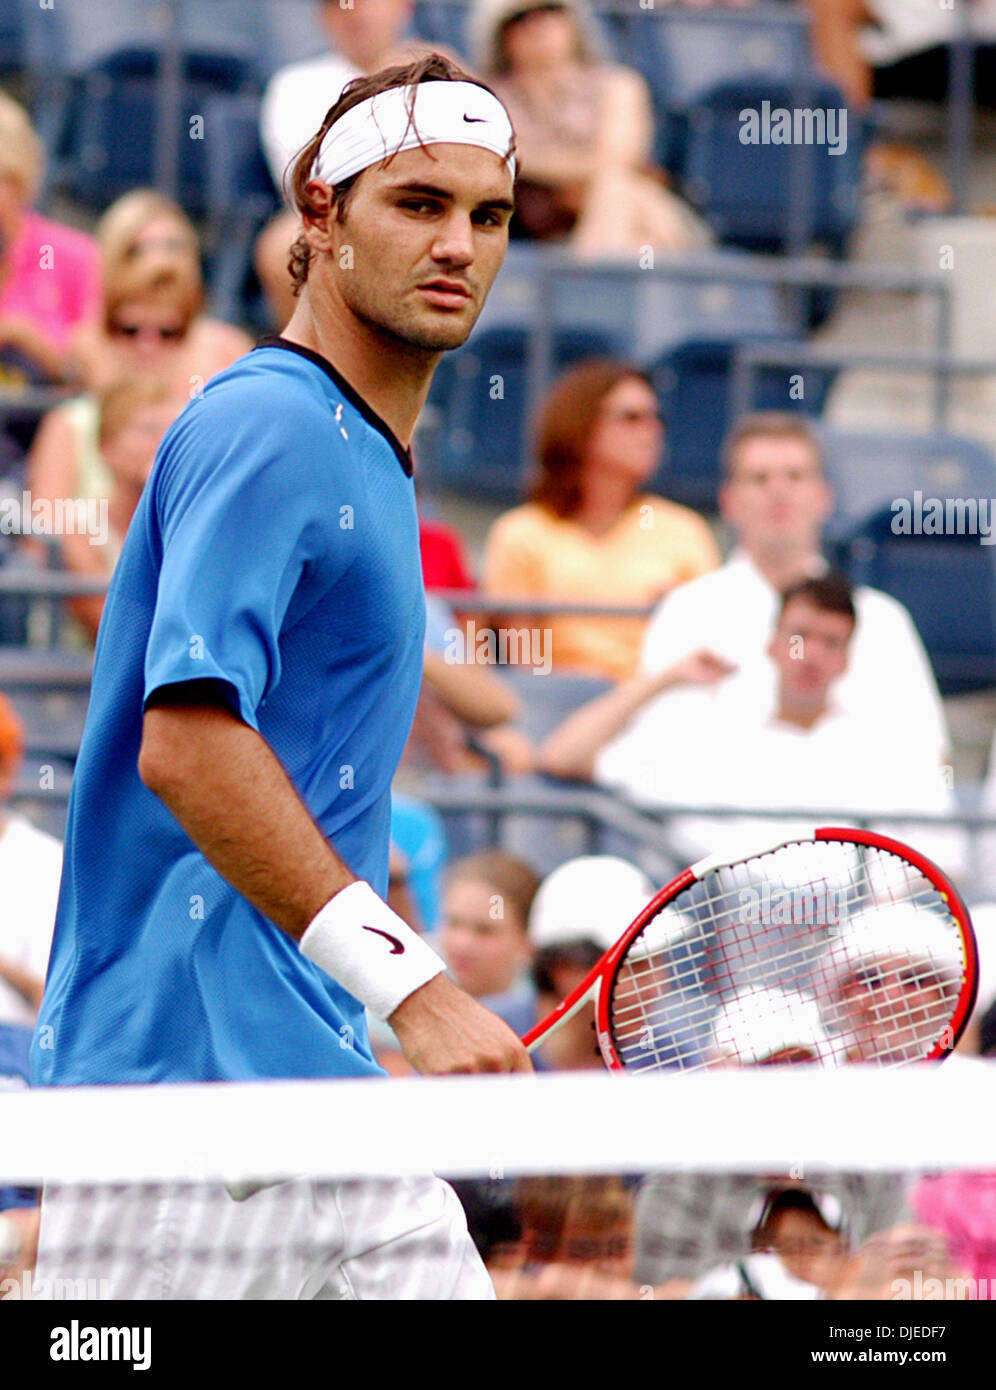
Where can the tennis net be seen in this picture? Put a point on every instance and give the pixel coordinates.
(763, 1182)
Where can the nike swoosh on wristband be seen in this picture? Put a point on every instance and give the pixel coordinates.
(476, 120)
(397, 949)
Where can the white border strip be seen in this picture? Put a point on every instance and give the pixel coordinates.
(758, 1119)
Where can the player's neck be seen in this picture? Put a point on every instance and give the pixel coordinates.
(391, 377)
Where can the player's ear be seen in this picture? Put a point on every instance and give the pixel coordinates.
(319, 213)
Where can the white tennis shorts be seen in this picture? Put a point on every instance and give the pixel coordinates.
(398, 1238)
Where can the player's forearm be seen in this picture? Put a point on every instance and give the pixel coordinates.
(228, 790)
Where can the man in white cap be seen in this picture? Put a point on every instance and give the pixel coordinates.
(890, 981)
(581, 908)
(259, 663)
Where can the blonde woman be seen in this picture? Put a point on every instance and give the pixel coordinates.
(154, 297)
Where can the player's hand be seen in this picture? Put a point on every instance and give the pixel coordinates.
(442, 1030)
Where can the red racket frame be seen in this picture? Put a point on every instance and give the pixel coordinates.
(606, 969)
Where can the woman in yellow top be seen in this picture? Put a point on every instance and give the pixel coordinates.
(589, 533)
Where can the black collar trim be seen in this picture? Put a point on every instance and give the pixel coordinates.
(352, 395)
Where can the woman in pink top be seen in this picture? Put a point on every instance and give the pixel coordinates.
(49, 274)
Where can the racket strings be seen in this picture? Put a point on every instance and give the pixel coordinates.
(831, 951)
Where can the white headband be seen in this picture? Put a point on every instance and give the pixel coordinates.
(452, 113)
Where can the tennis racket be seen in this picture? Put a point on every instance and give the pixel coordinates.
(835, 947)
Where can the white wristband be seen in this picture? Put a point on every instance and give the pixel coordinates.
(369, 950)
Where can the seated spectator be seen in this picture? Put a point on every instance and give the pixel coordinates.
(714, 746)
(590, 533)
(20, 1212)
(362, 39)
(30, 871)
(961, 1206)
(769, 1027)
(584, 133)
(464, 712)
(904, 1261)
(891, 986)
(151, 330)
(134, 415)
(49, 273)
(575, 1242)
(444, 560)
(153, 301)
(483, 935)
(580, 910)
(882, 49)
(776, 501)
(899, 48)
(799, 1250)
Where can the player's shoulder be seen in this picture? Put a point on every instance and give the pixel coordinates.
(269, 386)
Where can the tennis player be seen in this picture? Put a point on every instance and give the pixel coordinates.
(221, 914)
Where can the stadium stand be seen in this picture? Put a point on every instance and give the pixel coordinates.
(947, 581)
(768, 196)
(869, 470)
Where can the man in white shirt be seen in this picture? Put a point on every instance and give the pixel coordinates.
(712, 744)
(363, 37)
(777, 500)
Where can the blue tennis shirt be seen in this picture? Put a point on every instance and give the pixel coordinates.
(275, 550)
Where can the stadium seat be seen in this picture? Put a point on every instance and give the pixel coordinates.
(693, 383)
(650, 311)
(480, 394)
(868, 471)
(547, 700)
(291, 32)
(239, 199)
(772, 197)
(682, 54)
(948, 583)
(443, 22)
(114, 118)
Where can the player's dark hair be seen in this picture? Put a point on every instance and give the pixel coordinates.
(564, 426)
(831, 594)
(432, 68)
